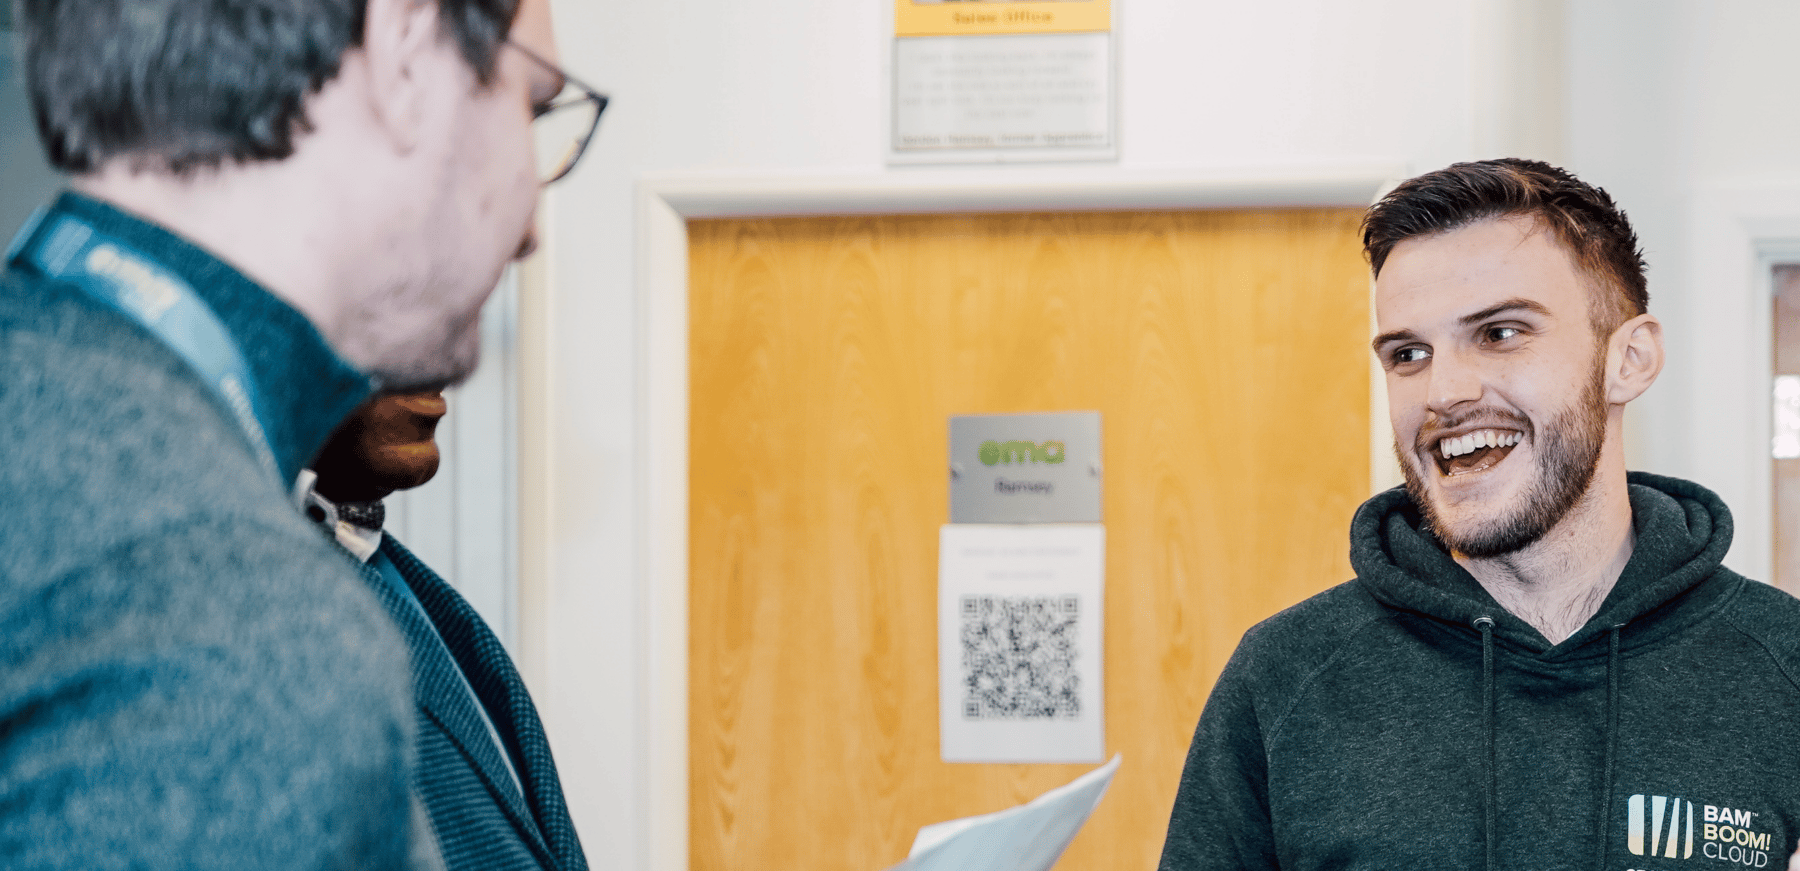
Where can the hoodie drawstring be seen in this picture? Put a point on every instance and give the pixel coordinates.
(1612, 732)
(1486, 625)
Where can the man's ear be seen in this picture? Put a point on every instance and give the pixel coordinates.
(398, 39)
(1634, 357)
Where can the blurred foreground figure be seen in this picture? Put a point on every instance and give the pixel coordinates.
(275, 207)
(1542, 663)
(484, 767)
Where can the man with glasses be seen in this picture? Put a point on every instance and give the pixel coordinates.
(276, 208)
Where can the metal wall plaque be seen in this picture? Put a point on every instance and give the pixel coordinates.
(1002, 81)
(1025, 468)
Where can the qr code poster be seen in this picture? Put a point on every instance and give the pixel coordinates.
(1019, 642)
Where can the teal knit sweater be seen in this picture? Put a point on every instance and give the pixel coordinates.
(191, 676)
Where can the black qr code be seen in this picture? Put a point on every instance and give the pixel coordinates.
(1018, 657)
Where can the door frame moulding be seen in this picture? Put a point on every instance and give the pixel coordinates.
(665, 203)
(1738, 234)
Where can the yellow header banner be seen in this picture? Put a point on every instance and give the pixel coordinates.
(954, 18)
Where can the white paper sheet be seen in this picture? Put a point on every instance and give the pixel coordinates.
(1006, 97)
(1019, 642)
(1030, 837)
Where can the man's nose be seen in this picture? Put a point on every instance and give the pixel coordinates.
(1454, 380)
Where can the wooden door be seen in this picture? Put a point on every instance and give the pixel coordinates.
(1227, 354)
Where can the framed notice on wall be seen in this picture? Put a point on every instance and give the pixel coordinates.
(1004, 80)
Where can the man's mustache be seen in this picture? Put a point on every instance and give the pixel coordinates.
(1477, 418)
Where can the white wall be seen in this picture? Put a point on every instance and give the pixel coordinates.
(791, 87)
(1685, 111)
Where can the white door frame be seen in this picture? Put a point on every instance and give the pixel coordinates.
(1738, 233)
(665, 203)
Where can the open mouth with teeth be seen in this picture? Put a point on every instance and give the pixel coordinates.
(1474, 452)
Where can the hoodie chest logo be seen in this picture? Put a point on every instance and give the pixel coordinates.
(1671, 827)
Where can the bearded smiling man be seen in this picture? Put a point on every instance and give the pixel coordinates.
(1542, 662)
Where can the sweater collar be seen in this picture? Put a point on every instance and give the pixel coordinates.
(305, 387)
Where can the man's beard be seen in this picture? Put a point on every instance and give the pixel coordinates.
(1568, 454)
(444, 364)
(439, 354)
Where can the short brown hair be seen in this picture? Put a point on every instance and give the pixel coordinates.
(191, 84)
(1583, 217)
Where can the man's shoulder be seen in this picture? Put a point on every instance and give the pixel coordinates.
(105, 444)
(55, 339)
(148, 547)
(1310, 633)
(136, 481)
(1771, 616)
(84, 383)
(1284, 658)
(129, 478)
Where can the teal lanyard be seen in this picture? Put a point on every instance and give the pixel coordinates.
(66, 248)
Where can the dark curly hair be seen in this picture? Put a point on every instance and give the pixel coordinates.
(187, 84)
(1583, 217)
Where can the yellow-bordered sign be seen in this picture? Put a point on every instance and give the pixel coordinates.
(916, 18)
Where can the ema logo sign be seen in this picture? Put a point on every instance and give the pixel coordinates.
(992, 452)
(1658, 825)
(1664, 840)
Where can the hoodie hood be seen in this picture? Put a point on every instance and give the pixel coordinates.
(1682, 532)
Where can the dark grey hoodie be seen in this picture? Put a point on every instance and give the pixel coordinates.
(1405, 720)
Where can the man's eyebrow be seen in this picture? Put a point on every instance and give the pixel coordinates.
(1514, 304)
(1391, 336)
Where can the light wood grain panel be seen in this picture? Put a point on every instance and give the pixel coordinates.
(1226, 352)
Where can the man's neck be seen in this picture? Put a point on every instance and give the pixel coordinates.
(1558, 583)
(240, 214)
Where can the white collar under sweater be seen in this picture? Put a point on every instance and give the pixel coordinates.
(360, 541)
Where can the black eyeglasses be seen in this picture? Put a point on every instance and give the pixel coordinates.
(562, 128)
